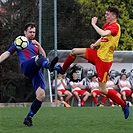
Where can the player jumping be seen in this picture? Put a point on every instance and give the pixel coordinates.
(103, 57)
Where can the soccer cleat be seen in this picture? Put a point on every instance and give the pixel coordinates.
(126, 110)
(113, 105)
(59, 69)
(66, 105)
(82, 104)
(101, 105)
(98, 104)
(28, 122)
(52, 64)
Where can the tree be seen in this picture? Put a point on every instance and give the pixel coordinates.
(97, 8)
(12, 23)
(71, 31)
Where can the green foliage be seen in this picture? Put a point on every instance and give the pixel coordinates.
(90, 8)
(17, 15)
(71, 32)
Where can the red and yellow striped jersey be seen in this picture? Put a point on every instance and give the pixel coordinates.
(109, 43)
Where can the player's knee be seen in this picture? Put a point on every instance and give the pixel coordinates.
(40, 94)
(60, 95)
(41, 97)
(70, 94)
(88, 94)
(74, 52)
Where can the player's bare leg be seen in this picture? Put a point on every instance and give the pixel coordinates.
(40, 94)
(68, 95)
(86, 95)
(76, 52)
(123, 94)
(76, 94)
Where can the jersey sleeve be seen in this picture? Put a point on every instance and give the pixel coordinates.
(12, 48)
(114, 28)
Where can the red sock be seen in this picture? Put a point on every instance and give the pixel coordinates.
(115, 98)
(104, 100)
(83, 101)
(95, 100)
(111, 103)
(69, 60)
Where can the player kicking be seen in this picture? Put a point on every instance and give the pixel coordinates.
(103, 57)
(31, 60)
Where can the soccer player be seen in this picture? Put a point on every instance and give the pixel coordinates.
(110, 86)
(103, 57)
(31, 60)
(125, 87)
(94, 86)
(61, 89)
(77, 91)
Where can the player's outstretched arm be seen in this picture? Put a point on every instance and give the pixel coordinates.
(4, 56)
(99, 30)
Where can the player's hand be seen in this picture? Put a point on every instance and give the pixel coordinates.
(62, 81)
(92, 46)
(36, 43)
(94, 20)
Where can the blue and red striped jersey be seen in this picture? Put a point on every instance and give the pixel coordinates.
(24, 55)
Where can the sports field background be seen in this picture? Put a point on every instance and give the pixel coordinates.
(67, 120)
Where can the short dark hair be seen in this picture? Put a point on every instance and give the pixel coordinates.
(122, 75)
(113, 10)
(94, 75)
(30, 24)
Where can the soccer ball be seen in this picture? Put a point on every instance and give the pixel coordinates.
(21, 42)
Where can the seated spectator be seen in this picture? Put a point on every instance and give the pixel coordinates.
(114, 76)
(76, 86)
(94, 86)
(130, 78)
(90, 73)
(125, 87)
(85, 84)
(61, 89)
(110, 85)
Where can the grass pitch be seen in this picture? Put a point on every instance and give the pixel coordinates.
(67, 120)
